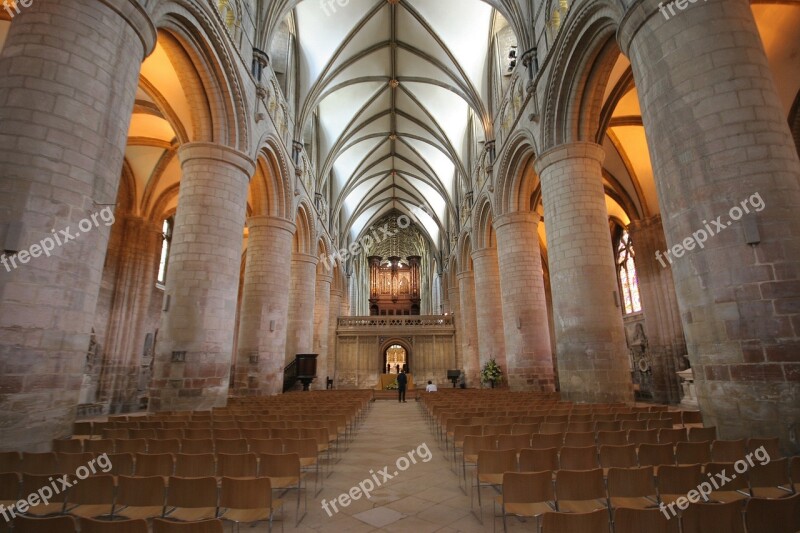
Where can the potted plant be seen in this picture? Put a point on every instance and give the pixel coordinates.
(491, 372)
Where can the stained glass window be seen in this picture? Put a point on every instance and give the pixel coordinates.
(626, 271)
(165, 245)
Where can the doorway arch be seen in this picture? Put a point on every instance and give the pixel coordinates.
(387, 345)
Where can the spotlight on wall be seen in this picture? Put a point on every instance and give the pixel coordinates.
(519, 323)
(272, 325)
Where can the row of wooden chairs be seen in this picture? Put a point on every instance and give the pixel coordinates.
(643, 487)
(178, 498)
(67, 524)
(757, 515)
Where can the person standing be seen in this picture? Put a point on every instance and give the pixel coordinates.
(402, 381)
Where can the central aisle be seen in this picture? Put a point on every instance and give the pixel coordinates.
(423, 498)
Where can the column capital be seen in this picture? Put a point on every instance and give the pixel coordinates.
(645, 223)
(300, 257)
(219, 153)
(465, 275)
(137, 18)
(634, 19)
(517, 217)
(576, 150)
(265, 221)
(484, 252)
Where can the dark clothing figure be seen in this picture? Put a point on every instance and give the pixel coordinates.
(402, 381)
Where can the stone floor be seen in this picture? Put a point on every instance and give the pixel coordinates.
(424, 498)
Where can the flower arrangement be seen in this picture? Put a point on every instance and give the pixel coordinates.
(392, 386)
(491, 372)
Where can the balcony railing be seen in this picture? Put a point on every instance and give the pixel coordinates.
(433, 321)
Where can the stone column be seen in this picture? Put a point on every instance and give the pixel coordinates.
(66, 104)
(455, 310)
(302, 296)
(529, 355)
(720, 147)
(489, 314)
(334, 311)
(136, 269)
(265, 307)
(593, 362)
(322, 307)
(469, 329)
(195, 340)
(666, 343)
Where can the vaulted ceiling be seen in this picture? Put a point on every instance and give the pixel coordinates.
(396, 96)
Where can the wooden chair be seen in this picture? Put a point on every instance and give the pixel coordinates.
(594, 522)
(492, 464)
(10, 462)
(198, 433)
(526, 494)
(771, 447)
(676, 481)
(285, 473)
(195, 465)
(764, 515)
(705, 517)
(213, 525)
(633, 488)
(147, 434)
(693, 453)
(618, 457)
(656, 455)
(148, 464)
(697, 434)
(247, 501)
(541, 441)
(99, 446)
(728, 451)
(169, 433)
(39, 463)
(309, 457)
(734, 488)
(770, 480)
(230, 446)
(56, 524)
(513, 442)
(628, 520)
(191, 499)
(672, 435)
(584, 458)
(545, 460)
(121, 464)
(612, 438)
(473, 444)
(238, 465)
(89, 525)
(133, 446)
(259, 446)
(9, 488)
(68, 463)
(643, 436)
(580, 491)
(31, 483)
(139, 498)
(197, 446)
(579, 440)
(91, 497)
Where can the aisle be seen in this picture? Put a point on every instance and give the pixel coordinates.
(424, 498)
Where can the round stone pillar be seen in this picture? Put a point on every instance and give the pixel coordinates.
(593, 363)
(135, 269)
(489, 314)
(322, 307)
(455, 310)
(469, 329)
(195, 340)
(334, 311)
(302, 297)
(728, 181)
(527, 332)
(261, 346)
(66, 103)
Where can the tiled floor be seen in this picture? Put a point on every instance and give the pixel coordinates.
(424, 498)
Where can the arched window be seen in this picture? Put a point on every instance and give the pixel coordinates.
(165, 249)
(626, 274)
